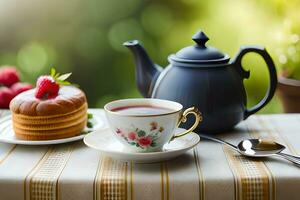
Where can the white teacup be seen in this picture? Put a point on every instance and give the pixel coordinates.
(145, 125)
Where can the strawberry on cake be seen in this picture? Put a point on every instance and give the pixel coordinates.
(53, 110)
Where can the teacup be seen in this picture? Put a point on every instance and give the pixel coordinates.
(145, 125)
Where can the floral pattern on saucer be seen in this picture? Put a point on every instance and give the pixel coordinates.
(140, 138)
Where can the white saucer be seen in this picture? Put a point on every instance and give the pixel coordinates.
(7, 134)
(104, 141)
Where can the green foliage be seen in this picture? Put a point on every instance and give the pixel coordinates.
(85, 37)
(289, 57)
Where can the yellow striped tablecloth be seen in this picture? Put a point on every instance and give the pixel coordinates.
(209, 171)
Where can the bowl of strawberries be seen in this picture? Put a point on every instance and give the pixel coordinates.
(10, 85)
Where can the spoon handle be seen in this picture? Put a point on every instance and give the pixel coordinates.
(219, 141)
(291, 158)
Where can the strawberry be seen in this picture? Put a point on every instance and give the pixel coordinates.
(8, 76)
(18, 88)
(6, 95)
(47, 87)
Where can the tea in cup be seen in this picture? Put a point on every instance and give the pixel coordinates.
(145, 124)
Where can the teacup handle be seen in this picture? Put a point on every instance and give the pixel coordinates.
(183, 119)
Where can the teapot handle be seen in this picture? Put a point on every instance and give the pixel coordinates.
(237, 62)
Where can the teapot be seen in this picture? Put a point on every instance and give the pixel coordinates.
(204, 77)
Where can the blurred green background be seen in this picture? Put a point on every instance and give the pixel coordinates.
(85, 37)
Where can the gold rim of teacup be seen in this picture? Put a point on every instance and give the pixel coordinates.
(142, 99)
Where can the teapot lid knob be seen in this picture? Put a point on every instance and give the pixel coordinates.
(200, 38)
(199, 54)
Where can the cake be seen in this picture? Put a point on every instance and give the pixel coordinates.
(49, 112)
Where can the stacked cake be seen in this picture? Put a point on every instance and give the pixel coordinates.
(49, 112)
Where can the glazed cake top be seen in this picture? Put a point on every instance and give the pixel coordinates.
(69, 99)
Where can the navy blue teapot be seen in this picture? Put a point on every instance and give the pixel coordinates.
(202, 76)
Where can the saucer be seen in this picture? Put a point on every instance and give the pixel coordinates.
(104, 141)
(7, 134)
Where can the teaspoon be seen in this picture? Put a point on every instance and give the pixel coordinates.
(258, 148)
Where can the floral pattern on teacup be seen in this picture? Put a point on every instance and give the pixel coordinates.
(140, 138)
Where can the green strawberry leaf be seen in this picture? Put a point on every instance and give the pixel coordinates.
(52, 72)
(56, 76)
(64, 77)
(141, 133)
(60, 79)
(59, 82)
(66, 83)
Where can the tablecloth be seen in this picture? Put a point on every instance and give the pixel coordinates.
(208, 171)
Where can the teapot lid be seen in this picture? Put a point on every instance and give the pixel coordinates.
(199, 53)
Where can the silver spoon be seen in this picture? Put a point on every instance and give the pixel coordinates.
(258, 148)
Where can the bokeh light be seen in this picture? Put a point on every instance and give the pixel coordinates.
(32, 58)
(86, 37)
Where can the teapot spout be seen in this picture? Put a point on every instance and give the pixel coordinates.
(146, 71)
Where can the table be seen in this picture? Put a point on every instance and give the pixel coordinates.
(209, 171)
